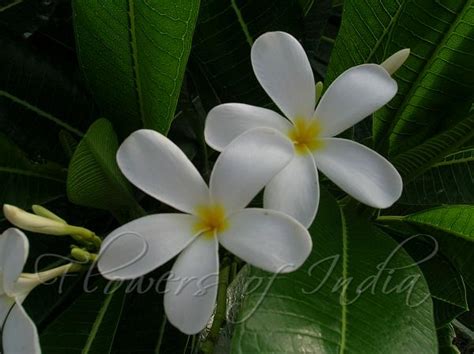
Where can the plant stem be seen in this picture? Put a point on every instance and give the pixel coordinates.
(162, 332)
(389, 218)
(219, 317)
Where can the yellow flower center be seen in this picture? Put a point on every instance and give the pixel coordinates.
(212, 220)
(305, 135)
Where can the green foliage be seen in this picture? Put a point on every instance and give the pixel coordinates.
(436, 79)
(88, 326)
(134, 55)
(24, 182)
(94, 179)
(224, 34)
(447, 182)
(386, 285)
(457, 220)
(311, 309)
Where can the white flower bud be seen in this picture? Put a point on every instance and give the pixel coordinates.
(395, 61)
(35, 223)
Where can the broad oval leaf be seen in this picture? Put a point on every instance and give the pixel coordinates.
(134, 55)
(437, 77)
(340, 301)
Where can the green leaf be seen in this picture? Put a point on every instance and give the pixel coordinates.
(447, 182)
(94, 179)
(134, 55)
(435, 80)
(343, 299)
(24, 182)
(416, 160)
(224, 34)
(457, 220)
(453, 228)
(88, 326)
(444, 281)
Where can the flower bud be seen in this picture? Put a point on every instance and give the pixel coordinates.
(395, 61)
(42, 211)
(35, 223)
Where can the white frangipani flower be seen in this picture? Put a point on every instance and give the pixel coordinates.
(18, 332)
(283, 70)
(267, 239)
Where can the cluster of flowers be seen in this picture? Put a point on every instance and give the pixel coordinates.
(259, 149)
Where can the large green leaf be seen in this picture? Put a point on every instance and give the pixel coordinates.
(88, 326)
(342, 300)
(134, 54)
(24, 182)
(224, 34)
(437, 78)
(94, 179)
(447, 182)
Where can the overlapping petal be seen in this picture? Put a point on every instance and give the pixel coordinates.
(19, 334)
(191, 289)
(13, 253)
(158, 167)
(247, 165)
(227, 121)
(283, 69)
(144, 244)
(295, 190)
(355, 94)
(267, 239)
(360, 171)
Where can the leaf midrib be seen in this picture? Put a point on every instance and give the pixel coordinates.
(343, 302)
(135, 65)
(29, 174)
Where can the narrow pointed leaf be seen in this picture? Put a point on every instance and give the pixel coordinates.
(436, 79)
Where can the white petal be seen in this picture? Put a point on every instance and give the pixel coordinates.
(247, 165)
(14, 251)
(283, 70)
(157, 166)
(19, 334)
(355, 94)
(267, 239)
(360, 171)
(295, 190)
(191, 289)
(227, 121)
(144, 244)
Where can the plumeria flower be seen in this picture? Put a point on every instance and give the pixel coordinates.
(18, 332)
(283, 70)
(266, 239)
